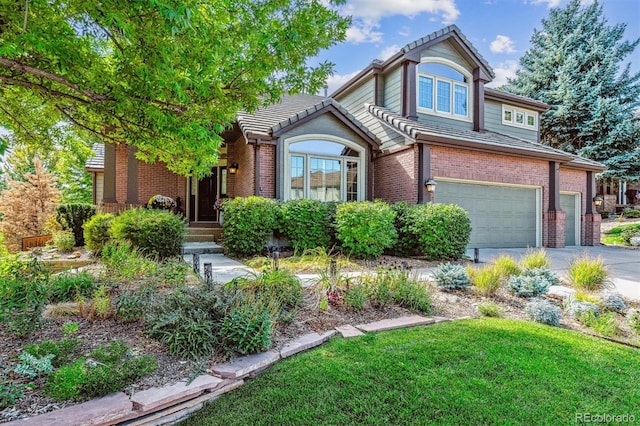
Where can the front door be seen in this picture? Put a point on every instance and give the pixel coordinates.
(207, 195)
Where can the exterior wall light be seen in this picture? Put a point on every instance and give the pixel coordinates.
(597, 200)
(431, 185)
(233, 168)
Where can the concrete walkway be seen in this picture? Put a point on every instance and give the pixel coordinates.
(623, 263)
(223, 269)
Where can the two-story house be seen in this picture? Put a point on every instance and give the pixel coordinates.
(422, 115)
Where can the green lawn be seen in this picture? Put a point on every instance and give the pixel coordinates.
(614, 235)
(487, 371)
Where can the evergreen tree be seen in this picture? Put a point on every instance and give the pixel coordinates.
(574, 65)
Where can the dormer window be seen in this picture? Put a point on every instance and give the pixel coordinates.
(443, 89)
(512, 116)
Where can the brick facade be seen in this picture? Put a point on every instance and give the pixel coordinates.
(267, 171)
(244, 155)
(395, 175)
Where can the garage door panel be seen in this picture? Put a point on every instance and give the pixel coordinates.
(568, 203)
(500, 216)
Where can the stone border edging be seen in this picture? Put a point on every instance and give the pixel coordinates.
(170, 403)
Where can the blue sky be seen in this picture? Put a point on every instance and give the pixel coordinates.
(499, 29)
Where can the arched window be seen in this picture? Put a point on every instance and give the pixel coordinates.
(324, 168)
(443, 89)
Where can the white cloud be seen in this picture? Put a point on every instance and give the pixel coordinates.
(363, 31)
(586, 3)
(503, 71)
(550, 3)
(404, 31)
(367, 14)
(334, 82)
(502, 44)
(389, 51)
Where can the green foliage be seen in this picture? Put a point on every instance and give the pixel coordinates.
(161, 202)
(605, 324)
(248, 327)
(407, 244)
(70, 327)
(633, 319)
(542, 272)
(631, 213)
(9, 393)
(442, 230)
(506, 266)
(629, 233)
(612, 301)
(305, 223)
(491, 310)
(153, 232)
(409, 292)
(248, 224)
(101, 302)
(356, 296)
(280, 285)
(97, 232)
(63, 350)
(66, 287)
(486, 280)
(588, 273)
(32, 366)
(528, 285)
(109, 368)
(72, 217)
(578, 309)
(124, 262)
(535, 258)
(364, 229)
(543, 311)
(64, 240)
(168, 84)
(449, 276)
(311, 260)
(133, 304)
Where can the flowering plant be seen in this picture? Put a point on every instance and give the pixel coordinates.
(219, 204)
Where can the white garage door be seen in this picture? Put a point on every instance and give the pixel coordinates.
(569, 203)
(501, 216)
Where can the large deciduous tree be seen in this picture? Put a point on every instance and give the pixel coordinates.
(166, 76)
(575, 65)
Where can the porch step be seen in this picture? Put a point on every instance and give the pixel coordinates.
(199, 235)
(201, 248)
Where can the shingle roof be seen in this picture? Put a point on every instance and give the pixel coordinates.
(97, 161)
(487, 139)
(291, 109)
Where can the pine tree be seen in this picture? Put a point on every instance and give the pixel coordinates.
(27, 205)
(574, 65)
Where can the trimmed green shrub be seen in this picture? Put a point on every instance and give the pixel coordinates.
(407, 244)
(364, 229)
(66, 287)
(612, 301)
(73, 216)
(543, 311)
(305, 223)
(154, 232)
(64, 240)
(97, 232)
(443, 230)
(248, 224)
(588, 273)
(449, 276)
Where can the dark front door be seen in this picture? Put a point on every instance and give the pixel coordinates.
(207, 192)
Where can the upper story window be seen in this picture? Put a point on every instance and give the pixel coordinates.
(512, 116)
(324, 168)
(443, 89)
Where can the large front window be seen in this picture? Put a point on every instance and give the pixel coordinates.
(324, 170)
(443, 90)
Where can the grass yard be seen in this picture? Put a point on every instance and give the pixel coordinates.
(487, 371)
(614, 235)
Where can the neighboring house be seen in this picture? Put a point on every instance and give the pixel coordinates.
(422, 114)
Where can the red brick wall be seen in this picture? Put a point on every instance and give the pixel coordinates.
(267, 171)
(576, 181)
(396, 174)
(154, 179)
(231, 179)
(244, 182)
(121, 173)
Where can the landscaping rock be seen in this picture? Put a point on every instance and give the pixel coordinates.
(156, 398)
(107, 410)
(391, 324)
(305, 342)
(74, 255)
(348, 331)
(241, 367)
(560, 292)
(634, 241)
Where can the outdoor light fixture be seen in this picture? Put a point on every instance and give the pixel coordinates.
(597, 200)
(431, 185)
(233, 168)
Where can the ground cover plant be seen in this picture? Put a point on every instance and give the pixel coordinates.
(310, 260)
(620, 235)
(465, 372)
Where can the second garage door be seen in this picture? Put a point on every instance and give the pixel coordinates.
(501, 216)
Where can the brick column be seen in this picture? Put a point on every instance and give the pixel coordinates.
(556, 220)
(592, 219)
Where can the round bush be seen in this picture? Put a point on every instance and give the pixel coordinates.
(248, 224)
(528, 286)
(443, 230)
(578, 308)
(64, 240)
(153, 232)
(449, 276)
(305, 223)
(407, 244)
(97, 232)
(364, 229)
(543, 311)
(612, 301)
(542, 272)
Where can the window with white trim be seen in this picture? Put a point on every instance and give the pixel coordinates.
(324, 170)
(512, 116)
(443, 90)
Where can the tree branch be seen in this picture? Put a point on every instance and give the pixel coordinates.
(84, 126)
(19, 123)
(31, 85)
(15, 65)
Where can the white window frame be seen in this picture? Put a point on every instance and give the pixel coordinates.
(360, 160)
(526, 114)
(452, 84)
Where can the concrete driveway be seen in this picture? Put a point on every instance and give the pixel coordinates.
(623, 263)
